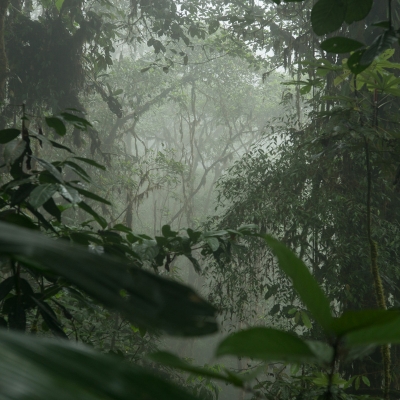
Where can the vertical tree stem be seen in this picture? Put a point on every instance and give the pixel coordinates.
(379, 292)
(3, 56)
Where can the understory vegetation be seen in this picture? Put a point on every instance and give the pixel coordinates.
(199, 200)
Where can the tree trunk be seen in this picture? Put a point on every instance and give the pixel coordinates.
(3, 56)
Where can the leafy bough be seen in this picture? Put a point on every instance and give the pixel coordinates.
(347, 337)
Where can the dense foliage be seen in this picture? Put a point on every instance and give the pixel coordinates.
(123, 125)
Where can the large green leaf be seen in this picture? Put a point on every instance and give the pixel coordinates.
(152, 301)
(38, 369)
(41, 194)
(100, 220)
(50, 168)
(354, 63)
(327, 16)
(6, 135)
(304, 283)
(57, 125)
(376, 334)
(340, 45)
(266, 344)
(379, 45)
(356, 10)
(355, 320)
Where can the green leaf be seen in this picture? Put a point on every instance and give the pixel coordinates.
(6, 286)
(194, 262)
(59, 4)
(306, 320)
(21, 194)
(91, 162)
(170, 360)
(41, 194)
(213, 26)
(354, 320)
(266, 344)
(382, 24)
(357, 383)
(60, 146)
(356, 10)
(304, 283)
(366, 380)
(20, 220)
(85, 207)
(50, 168)
(91, 195)
(380, 44)
(194, 235)
(57, 125)
(375, 334)
(327, 16)
(122, 228)
(275, 309)
(50, 317)
(340, 45)
(152, 301)
(78, 170)
(354, 62)
(61, 370)
(13, 151)
(51, 207)
(78, 122)
(212, 242)
(167, 232)
(7, 135)
(70, 193)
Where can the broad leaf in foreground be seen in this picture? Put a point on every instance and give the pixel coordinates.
(376, 334)
(36, 369)
(304, 283)
(267, 344)
(152, 301)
